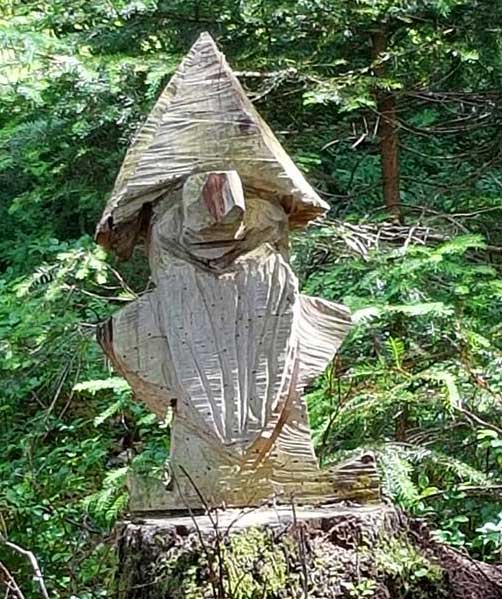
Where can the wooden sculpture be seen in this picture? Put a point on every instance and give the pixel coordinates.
(225, 340)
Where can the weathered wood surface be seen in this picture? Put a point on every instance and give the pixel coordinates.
(203, 122)
(232, 520)
(334, 552)
(225, 339)
(231, 353)
(271, 552)
(356, 480)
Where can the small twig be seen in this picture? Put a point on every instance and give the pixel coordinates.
(38, 400)
(34, 564)
(219, 591)
(72, 392)
(301, 546)
(473, 418)
(244, 512)
(469, 489)
(265, 74)
(62, 379)
(334, 414)
(122, 281)
(10, 582)
(110, 298)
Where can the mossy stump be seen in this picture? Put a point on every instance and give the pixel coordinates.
(287, 553)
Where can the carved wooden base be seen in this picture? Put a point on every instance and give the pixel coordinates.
(356, 480)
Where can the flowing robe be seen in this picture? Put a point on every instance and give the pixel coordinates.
(231, 353)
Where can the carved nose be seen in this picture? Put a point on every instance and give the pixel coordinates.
(221, 194)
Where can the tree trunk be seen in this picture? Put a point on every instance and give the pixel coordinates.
(387, 131)
(331, 552)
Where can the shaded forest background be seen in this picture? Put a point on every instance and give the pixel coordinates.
(393, 109)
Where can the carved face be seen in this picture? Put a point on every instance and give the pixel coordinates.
(213, 213)
(213, 223)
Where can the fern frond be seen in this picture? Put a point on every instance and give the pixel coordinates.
(397, 471)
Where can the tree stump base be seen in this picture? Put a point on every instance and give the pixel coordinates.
(287, 552)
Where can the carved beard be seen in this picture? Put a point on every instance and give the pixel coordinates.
(232, 353)
(226, 340)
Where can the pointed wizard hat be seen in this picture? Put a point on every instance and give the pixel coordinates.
(203, 121)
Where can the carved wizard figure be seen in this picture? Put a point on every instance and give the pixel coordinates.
(225, 339)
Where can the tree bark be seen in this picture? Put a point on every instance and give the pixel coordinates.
(291, 553)
(387, 130)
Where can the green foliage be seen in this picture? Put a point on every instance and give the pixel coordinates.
(419, 381)
(411, 573)
(69, 430)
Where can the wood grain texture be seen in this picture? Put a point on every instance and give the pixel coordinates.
(203, 121)
(225, 339)
(223, 348)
